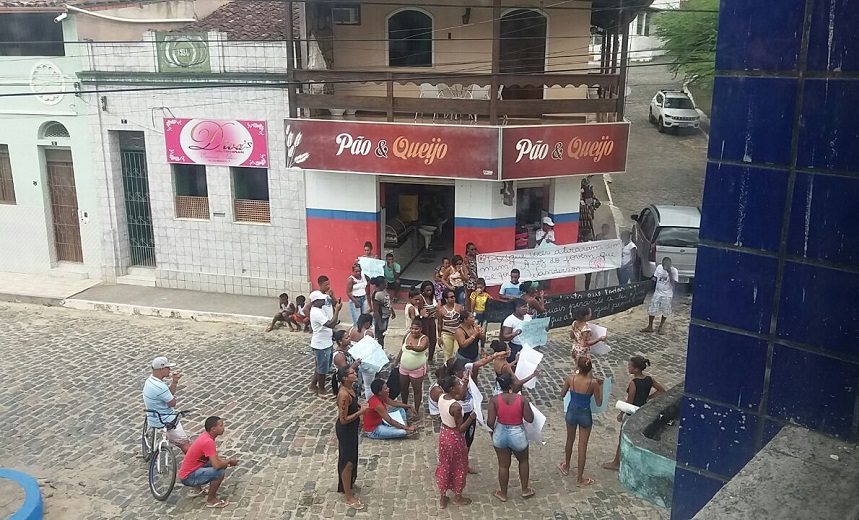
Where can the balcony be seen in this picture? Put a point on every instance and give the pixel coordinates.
(464, 97)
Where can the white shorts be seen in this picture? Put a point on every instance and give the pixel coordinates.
(660, 305)
(177, 435)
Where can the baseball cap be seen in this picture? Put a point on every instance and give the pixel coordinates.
(161, 362)
(317, 295)
(548, 221)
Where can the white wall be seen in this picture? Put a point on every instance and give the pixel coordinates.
(217, 255)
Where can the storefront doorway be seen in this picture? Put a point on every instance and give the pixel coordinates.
(531, 204)
(412, 216)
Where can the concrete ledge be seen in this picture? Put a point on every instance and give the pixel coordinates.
(160, 312)
(800, 475)
(32, 508)
(647, 465)
(35, 300)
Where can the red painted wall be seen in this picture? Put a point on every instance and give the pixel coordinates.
(333, 246)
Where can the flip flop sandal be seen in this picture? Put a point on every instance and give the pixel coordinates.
(497, 495)
(219, 504)
(194, 493)
(564, 471)
(529, 494)
(465, 502)
(358, 506)
(588, 481)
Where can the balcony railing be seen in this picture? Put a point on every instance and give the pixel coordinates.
(603, 102)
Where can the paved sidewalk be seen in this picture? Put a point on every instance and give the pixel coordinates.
(42, 289)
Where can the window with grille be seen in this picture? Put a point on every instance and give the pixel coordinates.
(410, 39)
(250, 188)
(192, 194)
(7, 187)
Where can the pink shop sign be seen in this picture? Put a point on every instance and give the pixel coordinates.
(216, 142)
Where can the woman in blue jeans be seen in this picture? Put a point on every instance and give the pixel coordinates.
(358, 291)
(379, 423)
(581, 385)
(506, 414)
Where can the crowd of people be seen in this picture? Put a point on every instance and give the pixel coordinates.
(445, 315)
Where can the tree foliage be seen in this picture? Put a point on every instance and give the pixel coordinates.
(689, 36)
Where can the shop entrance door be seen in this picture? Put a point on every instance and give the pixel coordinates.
(64, 205)
(138, 212)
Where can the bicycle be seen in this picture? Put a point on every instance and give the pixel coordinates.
(160, 455)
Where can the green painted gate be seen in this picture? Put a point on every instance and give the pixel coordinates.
(138, 211)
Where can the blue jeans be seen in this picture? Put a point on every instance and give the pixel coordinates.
(203, 476)
(380, 326)
(623, 275)
(480, 318)
(356, 311)
(322, 356)
(506, 436)
(579, 417)
(386, 431)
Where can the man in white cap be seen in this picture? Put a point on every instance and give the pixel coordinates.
(546, 233)
(322, 323)
(162, 398)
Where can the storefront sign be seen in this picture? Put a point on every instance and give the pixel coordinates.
(529, 152)
(546, 263)
(217, 143)
(182, 52)
(456, 151)
(461, 152)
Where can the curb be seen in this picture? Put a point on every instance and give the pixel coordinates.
(34, 300)
(32, 508)
(161, 312)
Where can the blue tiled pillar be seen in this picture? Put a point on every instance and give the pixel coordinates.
(775, 319)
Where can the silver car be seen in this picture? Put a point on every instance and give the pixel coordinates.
(671, 231)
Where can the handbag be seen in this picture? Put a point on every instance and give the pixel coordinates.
(394, 382)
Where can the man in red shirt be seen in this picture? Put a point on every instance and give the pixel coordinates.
(202, 465)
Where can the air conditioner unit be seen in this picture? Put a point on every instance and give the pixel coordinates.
(346, 14)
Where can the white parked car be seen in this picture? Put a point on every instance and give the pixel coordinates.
(671, 231)
(673, 109)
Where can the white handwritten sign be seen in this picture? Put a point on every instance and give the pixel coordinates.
(546, 263)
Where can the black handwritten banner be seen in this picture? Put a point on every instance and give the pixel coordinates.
(559, 309)
(551, 261)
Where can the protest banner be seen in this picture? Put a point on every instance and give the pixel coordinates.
(534, 429)
(371, 267)
(546, 263)
(529, 359)
(559, 309)
(600, 348)
(371, 354)
(477, 404)
(534, 332)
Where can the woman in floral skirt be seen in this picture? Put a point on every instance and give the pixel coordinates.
(452, 449)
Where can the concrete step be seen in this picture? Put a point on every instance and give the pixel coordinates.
(131, 279)
(69, 271)
(141, 272)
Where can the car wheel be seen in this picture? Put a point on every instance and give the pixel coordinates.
(650, 117)
(661, 126)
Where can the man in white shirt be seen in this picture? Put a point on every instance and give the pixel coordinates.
(546, 234)
(322, 323)
(665, 276)
(628, 258)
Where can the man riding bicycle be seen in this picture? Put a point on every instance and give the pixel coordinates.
(160, 397)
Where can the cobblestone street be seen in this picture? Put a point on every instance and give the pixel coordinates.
(72, 411)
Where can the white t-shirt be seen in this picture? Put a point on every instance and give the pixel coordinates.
(626, 253)
(322, 335)
(548, 235)
(516, 324)
(510, 289)
(663, 283)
